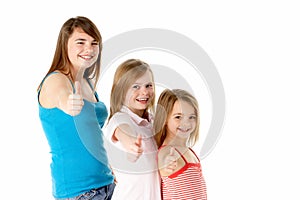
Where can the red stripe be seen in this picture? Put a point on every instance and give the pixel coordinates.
(189, 184)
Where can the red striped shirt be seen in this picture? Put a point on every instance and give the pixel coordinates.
(185, 184)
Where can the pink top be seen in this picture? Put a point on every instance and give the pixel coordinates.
(136, 180)
(186, 183)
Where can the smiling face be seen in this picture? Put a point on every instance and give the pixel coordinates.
(181, 121)
(140, 94)
(83, 49)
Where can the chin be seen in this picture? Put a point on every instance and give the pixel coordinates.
(142, 107)
(183, 135)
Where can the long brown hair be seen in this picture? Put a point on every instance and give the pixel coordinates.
(164, 108)
(126, 74)
(61, 60)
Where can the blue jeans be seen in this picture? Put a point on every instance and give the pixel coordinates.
(102, 193)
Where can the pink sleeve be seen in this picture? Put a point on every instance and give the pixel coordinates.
(116, 120)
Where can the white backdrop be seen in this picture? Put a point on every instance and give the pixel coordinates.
(255, 46)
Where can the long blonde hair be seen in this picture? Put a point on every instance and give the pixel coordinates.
(164, 108)
(61, 60)
(126, 74)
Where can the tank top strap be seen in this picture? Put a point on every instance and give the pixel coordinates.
(175, 150)
(182, 156)
(194, 153)
(91, 86)
(39, 89)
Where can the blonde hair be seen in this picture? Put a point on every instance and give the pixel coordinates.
(126, 74)
(164, 108)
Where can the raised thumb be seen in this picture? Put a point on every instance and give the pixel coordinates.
(171, 151)
(77, 87)
(138, 141)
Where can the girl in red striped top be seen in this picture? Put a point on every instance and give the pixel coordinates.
(177, 129)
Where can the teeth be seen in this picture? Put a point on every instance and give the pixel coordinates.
(86, 57)
(142, 99)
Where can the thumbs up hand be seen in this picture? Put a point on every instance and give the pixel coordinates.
(75, 101)
(136, 149)
(170, 161)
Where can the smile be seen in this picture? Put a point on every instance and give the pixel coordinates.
(86, 57)
(184, 129)
(142, 100)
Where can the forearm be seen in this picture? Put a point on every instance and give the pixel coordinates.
(124, 135)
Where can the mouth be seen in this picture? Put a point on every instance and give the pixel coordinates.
(183, 130)
(143, 100)
(86, 57)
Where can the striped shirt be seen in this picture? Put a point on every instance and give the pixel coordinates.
(187, 183)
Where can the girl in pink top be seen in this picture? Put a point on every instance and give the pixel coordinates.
(177, 129)
(131, 146)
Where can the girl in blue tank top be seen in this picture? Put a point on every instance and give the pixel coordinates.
(72, 115)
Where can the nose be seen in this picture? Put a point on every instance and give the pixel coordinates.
(144, 90)
(185, 122)
(88, 48)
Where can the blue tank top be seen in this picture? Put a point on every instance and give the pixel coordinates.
(79, 160)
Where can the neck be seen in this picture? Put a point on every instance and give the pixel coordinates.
(175, 141)
(140, 113)
(78, 74)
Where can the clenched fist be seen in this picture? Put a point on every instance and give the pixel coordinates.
(75, 101)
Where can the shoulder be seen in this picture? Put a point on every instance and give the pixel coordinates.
(56, 79)
(53, 87)
(56, 82)
(120, 123)
(163, 151)
(117, 120)
(121, 118)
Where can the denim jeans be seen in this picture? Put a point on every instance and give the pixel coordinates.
(102, 193)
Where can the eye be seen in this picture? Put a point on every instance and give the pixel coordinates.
(193, 117)
(95, 43)
(136, 87)
(177, 116)
(79, 42)
(149, 85)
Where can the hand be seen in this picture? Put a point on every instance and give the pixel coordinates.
(115, 178)
(170, 161)
(135, 149)
(75, 101)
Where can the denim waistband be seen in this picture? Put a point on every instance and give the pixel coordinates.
(105, 192)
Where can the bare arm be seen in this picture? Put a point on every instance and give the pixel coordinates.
(57, 92)
(167, 161)
(132, 143)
